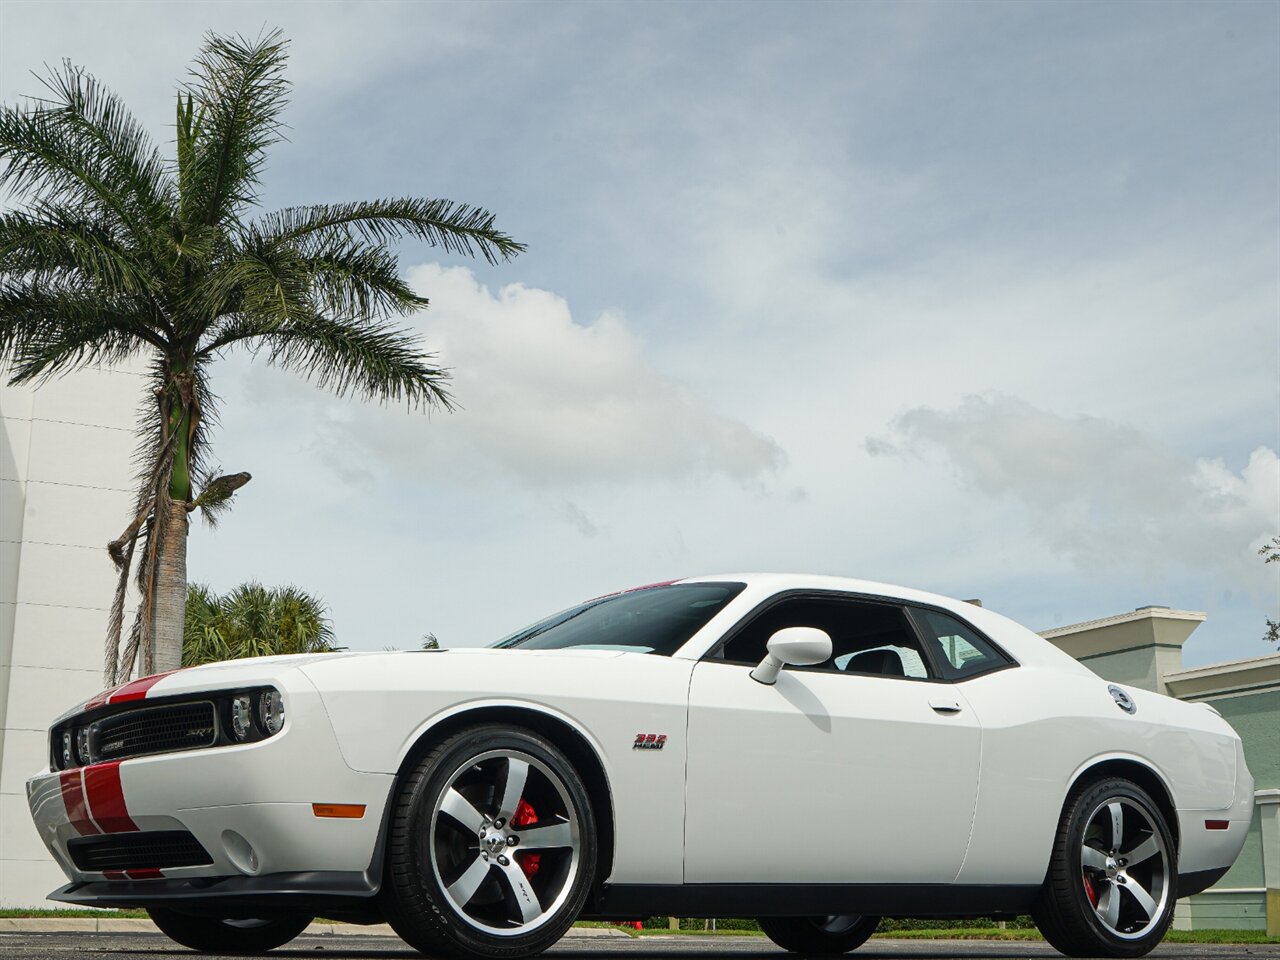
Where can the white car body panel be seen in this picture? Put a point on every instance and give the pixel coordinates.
(844, 780)
(1038, 738)
(609, 697)
(763, 754)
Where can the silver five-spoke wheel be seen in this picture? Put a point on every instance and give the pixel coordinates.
(505, 843)
(1112, 876)
(1124, 867)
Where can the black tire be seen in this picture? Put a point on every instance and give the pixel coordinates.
(1067, 910)
(240, 937)
(415, 898)
(819, 936)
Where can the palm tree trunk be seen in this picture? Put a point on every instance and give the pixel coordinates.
(170, 609)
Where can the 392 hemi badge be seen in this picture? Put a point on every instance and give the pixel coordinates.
(649, 741)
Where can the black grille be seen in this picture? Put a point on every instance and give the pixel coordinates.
(182, 726)
(138, 851)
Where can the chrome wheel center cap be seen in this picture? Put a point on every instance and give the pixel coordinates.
(493, 842)
(1113, 868)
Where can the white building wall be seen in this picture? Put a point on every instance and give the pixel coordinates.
(66, 488)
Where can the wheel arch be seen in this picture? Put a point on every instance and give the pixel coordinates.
(1137, 770)
(567, 735)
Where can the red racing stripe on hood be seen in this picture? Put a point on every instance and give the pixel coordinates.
(102, 698)
(137, 689)
(72, 788)
(106, 798)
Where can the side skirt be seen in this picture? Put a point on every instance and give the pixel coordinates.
(808, 900)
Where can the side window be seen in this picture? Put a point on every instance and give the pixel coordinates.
(866, 638)
(959, 651)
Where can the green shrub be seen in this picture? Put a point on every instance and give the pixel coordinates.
(887, 924)
(914, 923)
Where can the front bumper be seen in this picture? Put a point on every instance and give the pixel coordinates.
(249, 806)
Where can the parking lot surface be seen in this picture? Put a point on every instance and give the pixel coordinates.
(151, 946)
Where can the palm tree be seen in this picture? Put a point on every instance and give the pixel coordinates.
(253, 621)
(113, 253)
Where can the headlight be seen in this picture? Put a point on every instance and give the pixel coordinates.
(67, 759)
(82, 745)
(241, 716)
(271, 711)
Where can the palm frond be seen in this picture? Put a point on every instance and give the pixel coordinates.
(130, 162)
(456, 227)
(375, 361)
(82, 147)
(339, 276)
(204, 639)
(267, 281)
(46, 331)
(115, 617)
(215, 498)
(300, 622)
(238, 90)
(51, 241)
(349, 278)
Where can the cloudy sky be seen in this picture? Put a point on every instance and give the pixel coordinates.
(979, 298)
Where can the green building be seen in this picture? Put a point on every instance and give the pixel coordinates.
(1144, 649)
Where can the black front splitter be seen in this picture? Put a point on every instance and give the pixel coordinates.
(313, 892)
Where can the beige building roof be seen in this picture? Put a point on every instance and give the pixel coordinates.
(1151, 626)
(1232, 676)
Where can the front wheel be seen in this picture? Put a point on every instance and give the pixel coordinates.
(819, 936)
(491, 849)
(1113, 875)
(239, 937)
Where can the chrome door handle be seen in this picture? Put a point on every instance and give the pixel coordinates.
(945, 706)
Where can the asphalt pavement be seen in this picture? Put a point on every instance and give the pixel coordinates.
(152, 946)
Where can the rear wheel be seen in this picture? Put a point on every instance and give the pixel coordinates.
(819, 936)
(492, 846)
(212, 935)
(1112, 880)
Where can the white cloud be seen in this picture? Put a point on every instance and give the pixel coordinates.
(547, 402)
(1101, 493)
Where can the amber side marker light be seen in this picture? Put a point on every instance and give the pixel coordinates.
(339, 811)
(1217, 824)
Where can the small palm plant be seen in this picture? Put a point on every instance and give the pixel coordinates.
(253, 621)
(114, 253)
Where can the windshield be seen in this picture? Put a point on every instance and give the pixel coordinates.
(650, 620)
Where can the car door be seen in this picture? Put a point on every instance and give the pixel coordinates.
(863, 769)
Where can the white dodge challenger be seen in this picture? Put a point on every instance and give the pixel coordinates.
(811, 751)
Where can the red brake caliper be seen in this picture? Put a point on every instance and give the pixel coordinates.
(526, 816)
(1091, 893)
